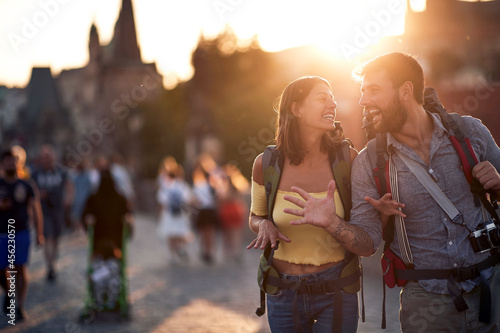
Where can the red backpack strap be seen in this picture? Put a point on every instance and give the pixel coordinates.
(457, 131)
(379, 162)
(461, 143)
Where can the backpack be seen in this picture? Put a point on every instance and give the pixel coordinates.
(267, 277)
(378, 157)
(175, 201)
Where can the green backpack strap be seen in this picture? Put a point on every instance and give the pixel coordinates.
(350, 276)
(341, 168)
(272, 165)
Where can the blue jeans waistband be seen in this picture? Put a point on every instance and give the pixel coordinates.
(330, 273)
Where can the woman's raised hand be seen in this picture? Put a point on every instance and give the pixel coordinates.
(317, 212)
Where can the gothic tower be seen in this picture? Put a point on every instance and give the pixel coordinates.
(124, 43)
(95, 49)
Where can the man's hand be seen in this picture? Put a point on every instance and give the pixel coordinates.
(386, 206)
(317, 212)
(488, 176)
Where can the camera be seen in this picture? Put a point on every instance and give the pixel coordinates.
(485, 237)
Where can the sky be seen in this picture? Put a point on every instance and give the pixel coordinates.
(41, 33)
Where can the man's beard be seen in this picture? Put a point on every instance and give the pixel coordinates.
(393, 118)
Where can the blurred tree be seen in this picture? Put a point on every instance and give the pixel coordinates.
(163, 129)
(234, 86)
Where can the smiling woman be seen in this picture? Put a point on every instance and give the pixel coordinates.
(308, 257)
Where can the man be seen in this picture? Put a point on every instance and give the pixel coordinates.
(17, 204)
(56, 193)
(392, 92)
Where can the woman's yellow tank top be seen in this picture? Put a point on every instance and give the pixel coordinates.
(309, 244)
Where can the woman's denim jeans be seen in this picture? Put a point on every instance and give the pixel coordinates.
(315, 311)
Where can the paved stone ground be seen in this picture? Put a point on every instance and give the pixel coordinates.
(191, 297)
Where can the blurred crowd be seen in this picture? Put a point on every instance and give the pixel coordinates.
(208, 202)
(48, 199)
(212, 202)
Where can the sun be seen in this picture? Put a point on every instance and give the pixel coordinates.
(337, 27)
(361, 25)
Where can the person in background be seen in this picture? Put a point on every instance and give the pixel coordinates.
(174, 197)
(23, 171)
(205, 201)
(56, 195)
(232, 209)
(17, 207)
(109, 211)
(82, 186)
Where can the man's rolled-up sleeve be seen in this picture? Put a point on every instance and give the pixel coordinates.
(363, 184)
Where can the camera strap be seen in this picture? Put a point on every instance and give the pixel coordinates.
(433, 189)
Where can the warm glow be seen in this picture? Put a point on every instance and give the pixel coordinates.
(203, 316)
(341, 28)
(168, 31)
(418, 5)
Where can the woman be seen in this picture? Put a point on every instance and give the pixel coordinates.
(305, 119)
(174, 196)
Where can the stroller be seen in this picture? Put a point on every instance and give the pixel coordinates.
(106, 278)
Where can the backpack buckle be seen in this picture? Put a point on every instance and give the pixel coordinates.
(464, 274)
(315, 289)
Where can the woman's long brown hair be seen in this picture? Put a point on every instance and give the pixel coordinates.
(288, 141)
